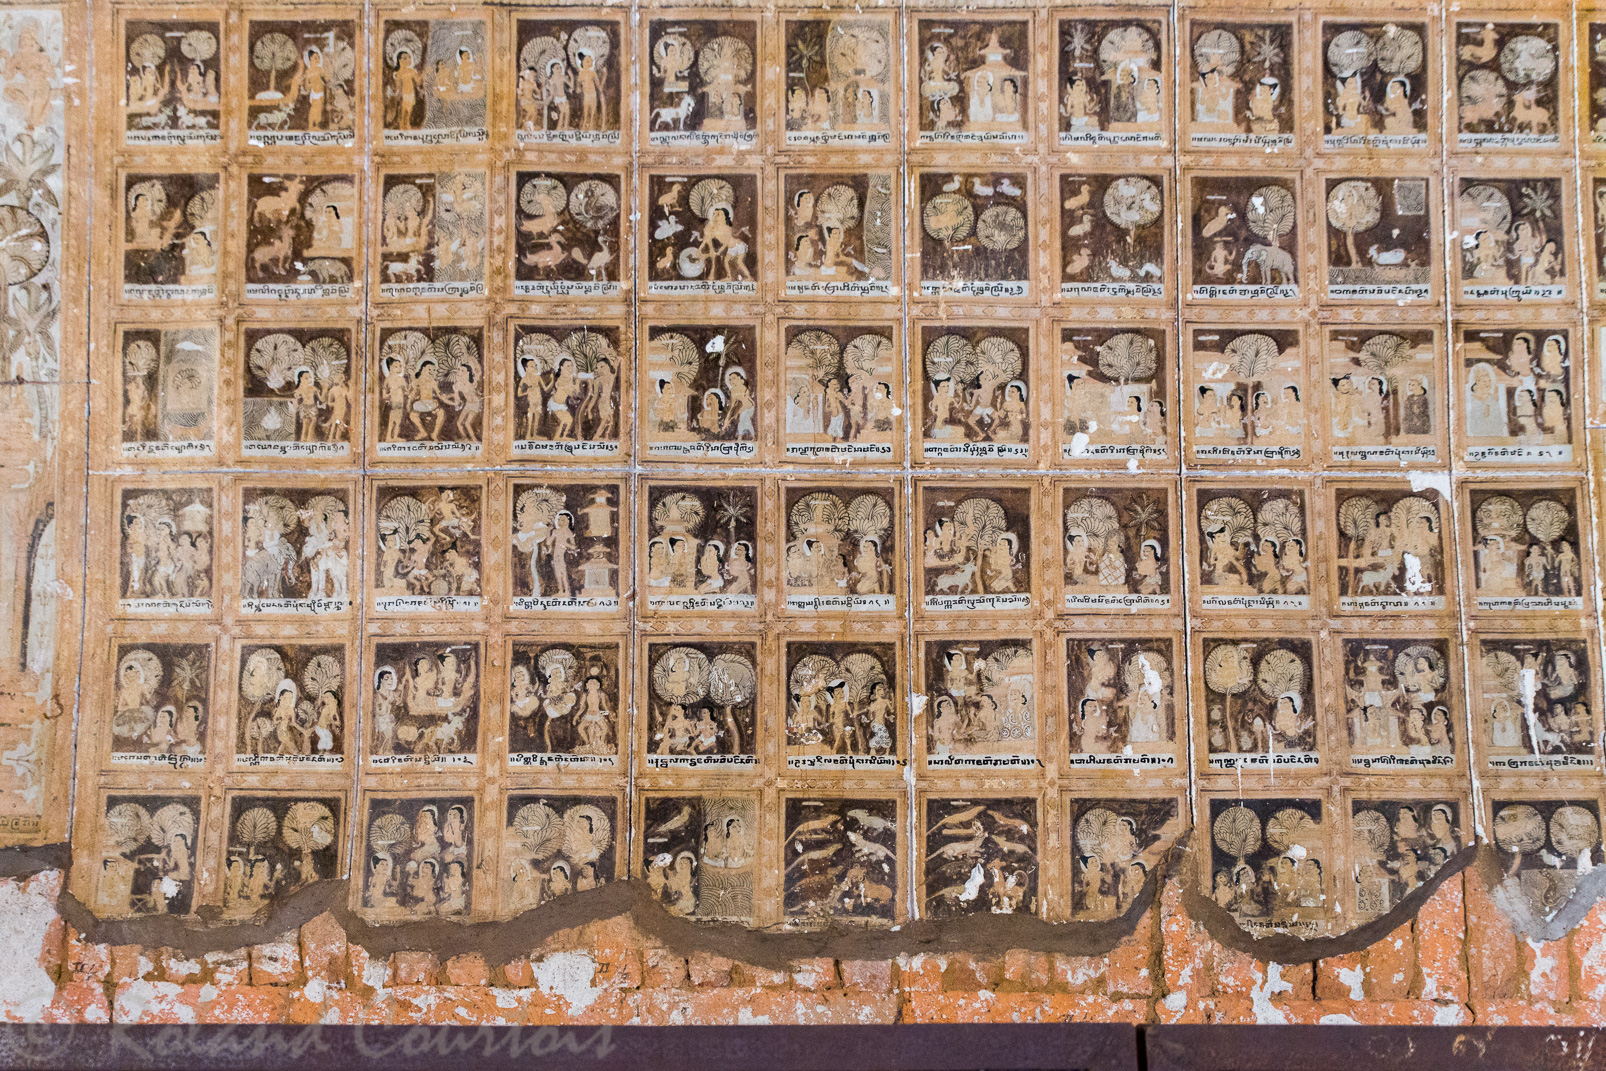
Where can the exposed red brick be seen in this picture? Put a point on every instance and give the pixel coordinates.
(244, 1004)
(570, 975)
(990, 1007)
(276, 963)
(966, 972)
(87, 960)
(517, 972)
(79, 1000)
(1028, 970)
(868, 975)
(306, 1004)
(1491, 947)
(229, 968)
(342, 1007)
(1440, 930)
(708, 970)
(1589, 948)
(921, 973)
(1230, 1009)
(613, 944)
(778, 1007)
(1414, 1013)
(1078, 974)
(414, 968)
(618, 966)
(53, 948)
(321, 977)
(1521, 1013)
(1311, 1012)
(323, 949)
(1180, 1009)
(1390, 965)
(359, 965)
(1185, 951)
(1236, 972)
(1129, 970)
(611, 1007)
(172, 967)
(749, 974)
(129, 962)
(1373, 1013)
(452, 1005)
(1300, 980)
(815, 975)
(467, 970)
(46, 883)
(139, 1001)
(1547, 963)
(662, 969)
(1241, 975)
(1341, 977)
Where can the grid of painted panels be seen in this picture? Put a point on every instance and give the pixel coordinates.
(839, 464)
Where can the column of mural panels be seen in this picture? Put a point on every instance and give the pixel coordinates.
(226, 418)
(1317, 661)
(1579, 787)
(191, 468)
(837, 465)
(1519, 442)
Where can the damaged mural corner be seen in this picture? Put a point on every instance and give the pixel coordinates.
(754, 513)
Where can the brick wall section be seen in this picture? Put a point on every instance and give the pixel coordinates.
(1459, 962)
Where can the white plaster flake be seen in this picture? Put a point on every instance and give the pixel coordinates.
(1449, 1015)
(1267, 1013)
(25, 988)
(1352, 977)
(567, 975)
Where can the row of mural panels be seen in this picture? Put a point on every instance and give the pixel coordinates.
(566, 547)
(806, 857)
(562, 87)
(1334, 80)
(997, 229)
(985, 703)
(994, 392)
